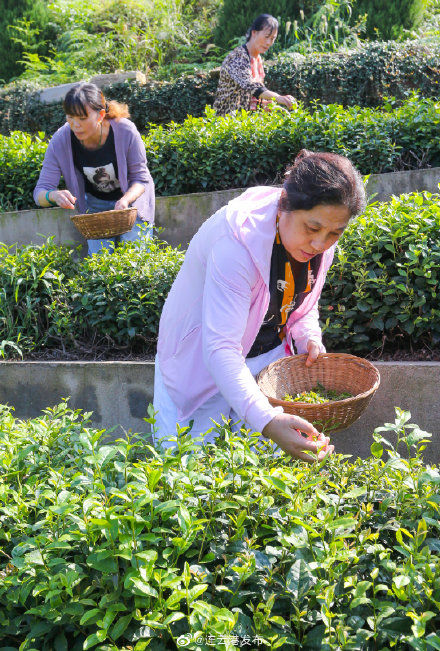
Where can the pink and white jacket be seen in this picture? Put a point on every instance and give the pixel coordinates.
(217, 304)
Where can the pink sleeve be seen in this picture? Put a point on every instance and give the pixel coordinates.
(230, 276)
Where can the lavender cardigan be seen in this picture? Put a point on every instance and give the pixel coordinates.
(132, 167)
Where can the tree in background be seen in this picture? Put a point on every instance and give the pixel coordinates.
(304, 26)
(388, 20)
(235, 18)
(24, 25)
(322, 24)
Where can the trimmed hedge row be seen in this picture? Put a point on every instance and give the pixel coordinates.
(382, 290)
(220, 546)
(49, 301)
(363, 77)
(214, 153)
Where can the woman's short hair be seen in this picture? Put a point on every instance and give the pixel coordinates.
(321, 178)
(84, 94)
(263, 21)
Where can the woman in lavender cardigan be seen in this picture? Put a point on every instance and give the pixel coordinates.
(246, 295)
(101, 156)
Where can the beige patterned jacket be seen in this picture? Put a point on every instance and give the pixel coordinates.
(236, 85)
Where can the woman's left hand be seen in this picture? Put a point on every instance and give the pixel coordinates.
(313, 352)
(121, 204)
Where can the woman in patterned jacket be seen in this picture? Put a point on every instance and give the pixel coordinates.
(241, 83)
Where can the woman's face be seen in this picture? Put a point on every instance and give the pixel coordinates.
(85, 126)
(264, 39)
(306, 233)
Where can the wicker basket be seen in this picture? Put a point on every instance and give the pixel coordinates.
(337, 371)
(110, 223)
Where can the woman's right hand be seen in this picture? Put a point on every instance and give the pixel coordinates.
(285, 430)
(63, 198)
(286, 100)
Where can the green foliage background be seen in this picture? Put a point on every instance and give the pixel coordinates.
(389, 20)
(14, 12)
(235, 19)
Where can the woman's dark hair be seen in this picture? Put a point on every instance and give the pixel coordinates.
(83, 94)
(263, 21)
(320, 178)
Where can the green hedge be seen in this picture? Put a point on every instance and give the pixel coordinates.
(110, 302)
(381, 292)
(214, 153)
(125, 547)
(247, 149)
(363, 77)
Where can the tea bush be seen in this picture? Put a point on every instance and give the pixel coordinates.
(363, 76)
(21, 155)
(115, 299)
(213, 153)
(125, 546)
(382, 290)
(49, 301)
(31, 279)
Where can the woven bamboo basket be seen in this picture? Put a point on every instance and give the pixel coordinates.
(109, 223)
(337, 371)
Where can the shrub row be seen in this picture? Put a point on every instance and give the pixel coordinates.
(212, 153)
(381, 292)
(363, 77)
(50, 301)
(126, 547)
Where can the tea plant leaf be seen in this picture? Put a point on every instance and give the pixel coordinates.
(196, 592)
(355, 492)
(103, 561)
(433, 641)
(174, 617)
(94, 639)
(144, 588)
(299, 579)
(346, 523)
(91, 616)
(121, 626)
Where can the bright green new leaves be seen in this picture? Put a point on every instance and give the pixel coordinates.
(49, 299)
(212, 153)
(121, 546)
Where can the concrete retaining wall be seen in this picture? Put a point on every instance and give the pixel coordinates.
(180, 216)
(118, 394)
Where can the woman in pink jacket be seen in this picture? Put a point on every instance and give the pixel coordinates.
(246, 295)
